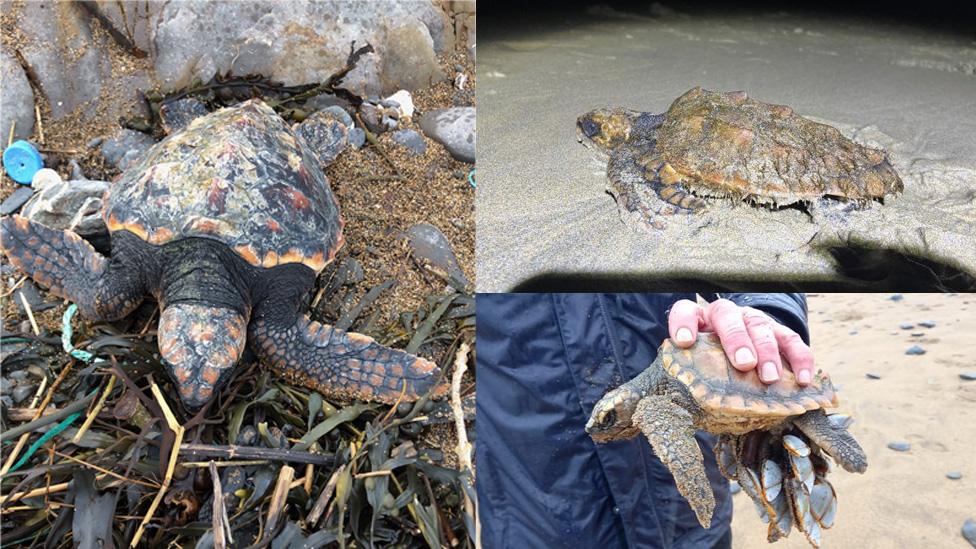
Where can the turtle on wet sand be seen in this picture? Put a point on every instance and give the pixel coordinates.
(772, 436)
(713, 144)
(226, 223)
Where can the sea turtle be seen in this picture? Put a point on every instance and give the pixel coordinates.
(226, 223)
(771, 435)
(713, 144)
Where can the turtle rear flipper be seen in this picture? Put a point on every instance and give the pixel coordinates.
(71, 268)
(835, 440)
(671, 432)
(343, 364)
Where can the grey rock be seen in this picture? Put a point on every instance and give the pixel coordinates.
(953, 475)
(76, 171)
(357, 138)
(852, 332)
(390, 103)
(968, 376)
(409, 60)
(17, 99)
(411, 140)
(969, 531)
(896, 297)
(75, 205)
(326, 132)
(177, 115)
(906, 325)
(126, 147)
(70, 64)
(351, 271)
(305, 43)
(94, 142)
(34, 298)
(915, 350)
(431, 248)
(900, 446)
(454, 128)
(734, 487)
(927, 324)
(372, 116)
(22, 393)
(19, 375)
(389, 124)
(16, 199)
(6, 386)
(870, 375)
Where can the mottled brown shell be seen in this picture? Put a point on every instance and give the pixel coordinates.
(729, 144)
(240, 176)
(721, 389)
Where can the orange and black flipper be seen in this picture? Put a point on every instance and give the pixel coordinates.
(71, 268)
(343, 364)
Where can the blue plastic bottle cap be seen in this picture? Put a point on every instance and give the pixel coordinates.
(21, 161)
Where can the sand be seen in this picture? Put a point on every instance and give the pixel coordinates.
(543, 212)
(904, 499)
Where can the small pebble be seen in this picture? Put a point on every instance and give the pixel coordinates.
(16, 200)
(459, 67)
(968, 376)
(918, 334)
(5, 385)
(734, 487)
(95, 142)
(852, 332)
(915, 350)
(906, 325)
(19, 375)
(357, 137)
(953, 475)
(872, 376)
(927, 324)
(22, 393)
(412, 140)
(969, 531)
(900, 446)
(897, 297)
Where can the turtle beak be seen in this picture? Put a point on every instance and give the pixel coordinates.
(200, 346)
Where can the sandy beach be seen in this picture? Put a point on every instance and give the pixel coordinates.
(904, 499)
(543, 211)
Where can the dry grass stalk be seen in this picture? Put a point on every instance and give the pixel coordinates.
(94, 411)
(279, 498)
(174, 454)
(30, 314)
(324, 497)
(23, 438)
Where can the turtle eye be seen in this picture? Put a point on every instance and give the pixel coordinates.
(588, 127)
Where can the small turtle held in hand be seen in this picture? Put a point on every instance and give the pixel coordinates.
(227, 223)
(726, 145)
(772, 436)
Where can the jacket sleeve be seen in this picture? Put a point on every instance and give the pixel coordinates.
(789, 309)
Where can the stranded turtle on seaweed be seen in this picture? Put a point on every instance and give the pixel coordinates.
(771, 435)
(711, 145)
(226, 223)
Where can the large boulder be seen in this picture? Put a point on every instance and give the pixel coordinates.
(307, 42)
(16, 101)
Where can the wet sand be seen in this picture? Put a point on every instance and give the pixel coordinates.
(543, 209)
(904, 499)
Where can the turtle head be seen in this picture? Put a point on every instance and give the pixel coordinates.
(200, 346)
(611, 417)
(607, 129)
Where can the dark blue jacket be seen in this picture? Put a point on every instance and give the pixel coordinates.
(543, 362)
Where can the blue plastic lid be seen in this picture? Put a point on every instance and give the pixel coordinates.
(21, 161)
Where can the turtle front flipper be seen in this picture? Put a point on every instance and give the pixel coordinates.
(343, 364)
(672, 189)
(671, 432)
(644, 199)
(835, 440)
(71, 268)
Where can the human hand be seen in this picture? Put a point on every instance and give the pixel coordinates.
(749, 336)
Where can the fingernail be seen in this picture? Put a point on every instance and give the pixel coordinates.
(744, 356)
(769, 372)
(803, 376)
(683, 335)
